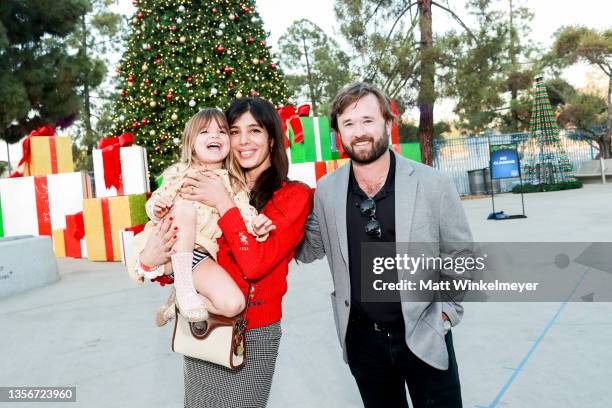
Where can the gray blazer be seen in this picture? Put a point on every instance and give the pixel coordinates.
(428, 210)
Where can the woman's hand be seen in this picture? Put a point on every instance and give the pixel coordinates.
(262, 225)
(158, 249)
(208, 188)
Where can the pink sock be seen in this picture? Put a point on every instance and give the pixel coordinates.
(189, 302)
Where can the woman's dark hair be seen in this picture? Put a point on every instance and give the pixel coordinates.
(267, 117)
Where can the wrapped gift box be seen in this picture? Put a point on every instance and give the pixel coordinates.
(411, 151)
(134, 173)
(317, 145)
(49, 155)
(105, 217)
(126, 238)
(70, 242)
(38, 205)
(310, 173)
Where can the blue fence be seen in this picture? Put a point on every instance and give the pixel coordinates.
(455, 157)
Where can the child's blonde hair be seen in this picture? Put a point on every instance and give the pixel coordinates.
(194, 126)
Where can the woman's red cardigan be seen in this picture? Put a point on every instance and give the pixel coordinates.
(265, 264)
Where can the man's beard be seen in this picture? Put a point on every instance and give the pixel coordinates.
(379, 147)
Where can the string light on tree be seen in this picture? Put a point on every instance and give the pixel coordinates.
(183, 56)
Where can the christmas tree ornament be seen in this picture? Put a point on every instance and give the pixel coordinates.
(232, 17)
(176, 140)
(174, 116)
(145, 67)
(199, 60)
(222, 26)
(219, 33)
(192, 103)
(238, 39)
(152, 132)
(182, 38)
(181, 9)
(152, 104)
(179, 20)
(213, 91)
(220, 49)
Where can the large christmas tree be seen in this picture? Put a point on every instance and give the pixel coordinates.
(545, 160)
(182, 56)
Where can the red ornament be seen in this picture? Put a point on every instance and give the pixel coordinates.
(158, 60)
(156, 92)
(157, 19)
(173, 28)
(169, 96)
(227, 69)
(135, 125)
(263, 43)
(261, 61)
(215, 10)
(253, 92)
(130, 78)
(157, 148)
(231, 85)
(220, 49)
(189, 79)
(144, 121)
(246, 9)
(147, 81)
(250, 40)
(273, 66)
(140, 15)
(123, 92)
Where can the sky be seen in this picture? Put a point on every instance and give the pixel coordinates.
(550, 15)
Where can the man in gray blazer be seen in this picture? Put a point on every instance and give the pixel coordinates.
(382, 197)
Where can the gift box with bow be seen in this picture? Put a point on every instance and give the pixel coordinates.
(70, 242)
(38, 205)
(44, 153)
(120, 168)
(104, 218)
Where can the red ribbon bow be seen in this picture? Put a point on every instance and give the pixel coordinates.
(111, 159)
(46, 130)
(291, 114)
(136, 229)
(75, 225)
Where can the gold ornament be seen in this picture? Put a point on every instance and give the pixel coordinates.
(152, 104)
(174, 116)
(199, 60)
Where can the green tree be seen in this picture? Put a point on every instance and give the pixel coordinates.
(490, 74)
(393, 46)
(39, 77)
(95, 38)
(181, 58)
(316, 68)
(573, 44)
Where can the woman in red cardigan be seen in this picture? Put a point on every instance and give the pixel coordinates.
(257, 141)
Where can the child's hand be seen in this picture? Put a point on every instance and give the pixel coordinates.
(162, 206)
(262, 225)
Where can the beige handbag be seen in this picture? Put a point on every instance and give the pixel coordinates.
(219, 340)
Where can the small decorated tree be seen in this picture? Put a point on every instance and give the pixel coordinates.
(545, 161)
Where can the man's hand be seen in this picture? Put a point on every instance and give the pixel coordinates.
(162, 206)
(446, 322)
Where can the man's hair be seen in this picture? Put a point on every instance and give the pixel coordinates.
(351, 93)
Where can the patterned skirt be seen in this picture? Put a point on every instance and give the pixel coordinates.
(209, 385)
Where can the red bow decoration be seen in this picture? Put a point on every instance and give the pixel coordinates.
(291, 114)
(163, 280)
(111, 159)
(46, 130)
(76, 225)
(136, 229)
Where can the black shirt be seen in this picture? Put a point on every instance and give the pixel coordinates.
(356, 223)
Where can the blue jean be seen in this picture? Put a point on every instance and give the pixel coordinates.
(382, 365)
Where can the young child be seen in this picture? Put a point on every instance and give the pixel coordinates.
(201, 284)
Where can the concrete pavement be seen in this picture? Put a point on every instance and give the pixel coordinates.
(94, 329)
